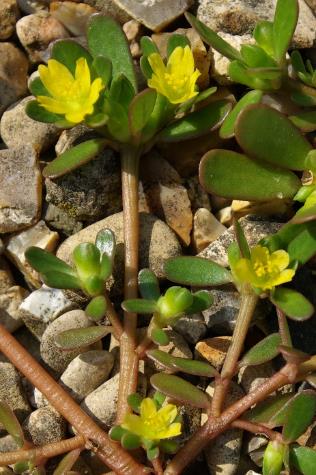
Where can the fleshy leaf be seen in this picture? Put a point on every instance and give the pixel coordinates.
(176, 40)
(105, 242)
(122, 91)
(96, 308)
(148, 285)
(304, 459)
(38, 113)
(197, 123)
(303, 246)
(68, 52)
(60, 280)
(227, 128)
(196, 271)
(273, 458)
(292, 303)
(213, 39)
(134, 401)
(247, 179)
(116, 433)
(140, 110)
(284, 24)
(159, 337)
(202, 299)
(106, 38)
(241, 240)
(264, 351)
(271, 412)
(11, 424)
(256, 129)
(181, 390)
(263, 34)
(130, 441)
(37, 88)
(103, 68)
(74, 158)
(139, 306)
(80, 337)
(173, 363)
(301, 411)
(306, 121)
(86, 257)
(43, 261)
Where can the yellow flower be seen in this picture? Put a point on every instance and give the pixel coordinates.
(177, 80)
(264, 270)
(73, 97)
(153, 424)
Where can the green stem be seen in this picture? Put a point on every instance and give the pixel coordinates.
(128, 357)
(248, 302)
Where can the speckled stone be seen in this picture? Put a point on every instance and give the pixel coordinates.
(13, 74)
(10, 314)
(7, 444)
(19, 171)
(17, 128)
(45, 426)
(213, 350)
(157, 243)
(9, 13)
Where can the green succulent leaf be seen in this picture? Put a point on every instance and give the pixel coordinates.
(197, 123)
(159, 337)
(139, 306)
(304, 97)
(292, 303)
(169, 446)
(117, 432)
(181, 390)
(303, 459)
(105, 267)
(300, 413)
(74, 158)
(284, 24)
(256, 57)
(247, 179)
(227, 128)
(134, 401)
(106, 38)
(11, 424)
(38, 113)
(37, 88)
(196, 271)
(80, 337)
(148, 285)
(271, 412)
(43, 261)
(96, 308)
(256, 129)
(302, 246)
(175, 41)
(241, 240)
(273, 458)
(254, 78)
(306, 121)
(67, 462)
(152, 453)
(121, 91)
(68, 52)
(173, 363)
(148, 46)
(105, 242)
(93, 285)
(202, 299)
(264, 351)
(86, 257)
(103, 69)
(141, 109)
(117, 124)
(212, 38)
(162, 113)
(60, 280)
(130, 441)
(263, 34)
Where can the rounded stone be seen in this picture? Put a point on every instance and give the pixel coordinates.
(17, 128)
(45, 426)
(13, 74)
(9, 14)
(54, 357)
(86, 372)
(157, 243)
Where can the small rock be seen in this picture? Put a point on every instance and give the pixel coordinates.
(254, 231)
(39, 235)
(109, 7)
(12, 392)
(86, 372)
(202, 58)
(7, 444)
(197, 195)
(255, 448)
(59, 219)
(206, 229)
(37, 31)
(74, 16)
(239, 17)
(32, 6)
(45, 304)
(223, 453)
(19, 171)
(191, 327)
(101, 403)
(56, 358)
(9, 13)
(221, 316)
(154, 14)
(165, 196)
(13, 74)
(191, 422)
(6, 278)
(251, 377)
(132, 30)
(157, 243)
(17, 128)
(10, 314)
(45, 426)
(213, 350)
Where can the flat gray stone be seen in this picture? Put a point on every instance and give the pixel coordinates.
(21, 188)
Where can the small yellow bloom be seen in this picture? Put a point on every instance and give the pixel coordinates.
(176, 81)
(264, 270)
(153, 424)
(73, 97)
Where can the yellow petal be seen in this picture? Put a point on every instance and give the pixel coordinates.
(135, 425)
(168, 413)
(188, 60)
(52, 105)
(172, 431)
(285, 276)
(157, 64)
(82, 76)
(56, 78)
(96, 88)
(280, 258)
(175, 63)
(77, 117)
(259, 254)
(148, 408)
(243, 271)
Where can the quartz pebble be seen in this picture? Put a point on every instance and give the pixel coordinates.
(19, 171)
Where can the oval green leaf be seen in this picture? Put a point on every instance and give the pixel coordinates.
(292, 303)
(140, 110)
(196, 271)
(96, 308)
(81, 337)
(264, 351)
(60, 280)
(256, 130)
(148, 285)
(284, 24)
(202, 299)
(43, 261)
(304, 459)
(74, 158)
(38, 113)
(105, 242)
(247, 179)
(181, 390)
(306, 121)
(139, 306)
(271, 412)
(173, 363)
(300, 413)
(68, 52)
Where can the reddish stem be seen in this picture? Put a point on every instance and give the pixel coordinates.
(256, 429)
